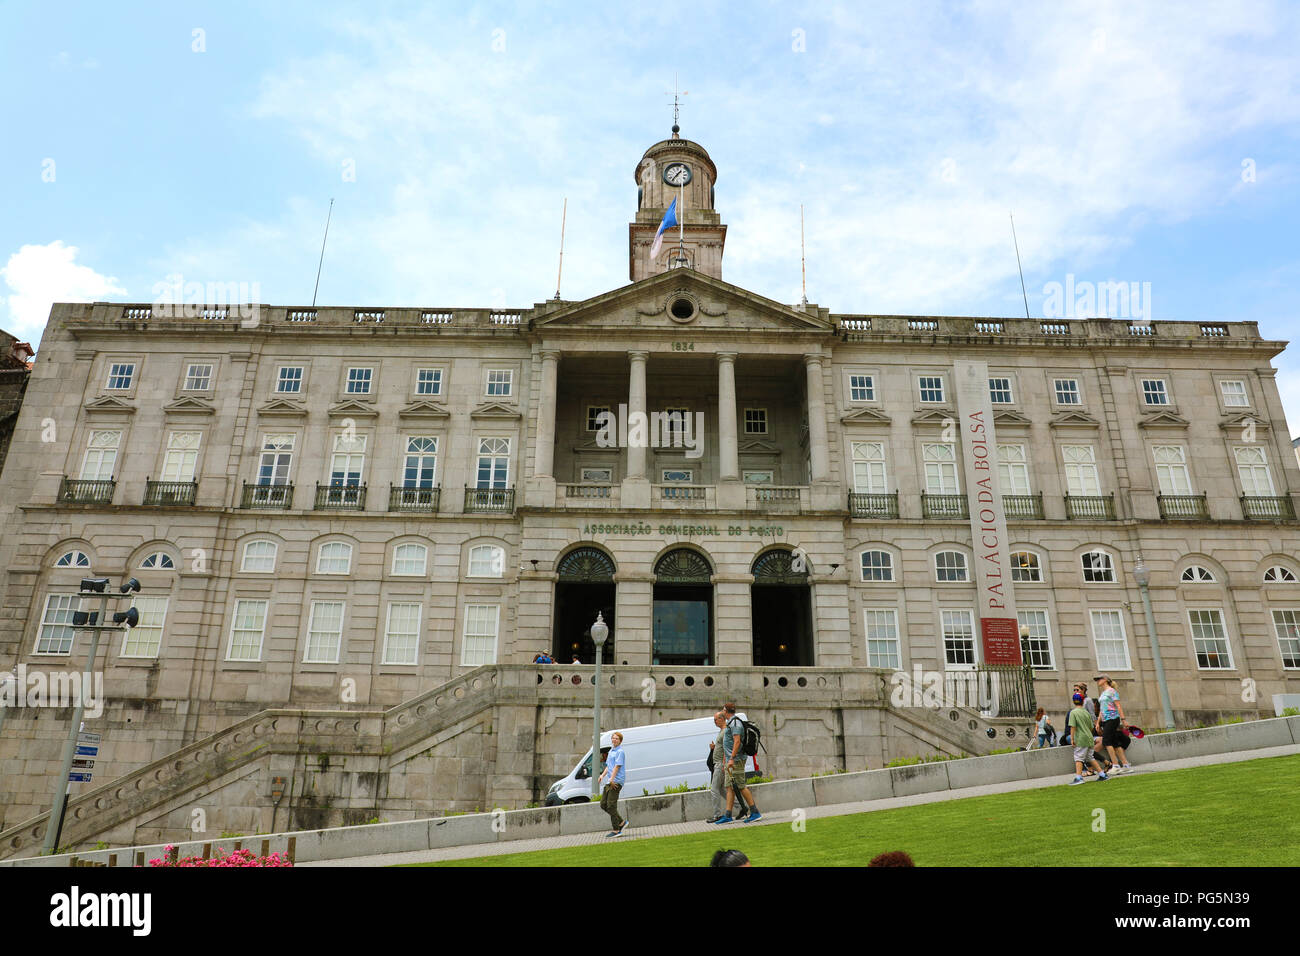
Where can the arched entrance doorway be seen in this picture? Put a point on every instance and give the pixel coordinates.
(683, 609)
(584, 587)
(781, 608)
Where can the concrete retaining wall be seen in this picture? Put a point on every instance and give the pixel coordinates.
(777, 797)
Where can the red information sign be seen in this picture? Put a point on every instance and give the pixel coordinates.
(1001, 640)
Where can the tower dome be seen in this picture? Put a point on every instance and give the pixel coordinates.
(676, 169)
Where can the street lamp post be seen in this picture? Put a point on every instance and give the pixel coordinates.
(599, 631)
(1142, 574)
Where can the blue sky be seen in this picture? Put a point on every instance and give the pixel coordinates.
(1132, 144)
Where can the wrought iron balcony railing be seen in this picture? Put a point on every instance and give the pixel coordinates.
(490, 500)
(340, 497)
(413, 499)
(1023, 507)
(873, 505)
(943, 506)
(1183, 507)
(1095, 507)
(164, 493)
(84, 491)
(273, 497)
(1260, 508)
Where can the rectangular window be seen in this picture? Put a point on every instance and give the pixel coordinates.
(1210, 640)
(869, 476)
(402, 634)
(289, 380)
(1013, 469)
(958, 638)
(182, 456)
(594, 413)
(597, 476)
(684, 475)
(877, 566)
(101, 456)
(198, 378)
(277, 456)
(324, 632)
(931, 387)
(1081, 477)
(493, 463)
(500, 382)
(940, 469)
(1171, 469)
(881, 627)
(1036, 649)
(1252, 469)
(1097, 567)
(675, 421)
(480, 639)
(862, 388)
(1000, 391)
(1286, 623)
(756, 421)
(1067, 391)
(246, 628)
(428, 381)
(145, 639)
(1109, 639)
(1234, 394)
(1154, 391)
(348, 460)
(1026, 568)
(259, 557)
(763, 477)
(56, 634)
(420, 469)
(120, 375)
(359, 380)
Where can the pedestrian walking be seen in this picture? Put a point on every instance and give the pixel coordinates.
(1043, 727)
(733, 741)
(1109, 721)
(720, 782)
(1081, 731)
(616, 769)
(1081, 688)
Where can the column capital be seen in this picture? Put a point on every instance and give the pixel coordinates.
(813, 358)
(726, 357)
(550, 355)
(638, 356)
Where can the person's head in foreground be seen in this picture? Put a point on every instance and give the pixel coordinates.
(730, 858)
(617, 739)
(897, 858)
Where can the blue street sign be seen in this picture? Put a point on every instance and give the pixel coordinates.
(87, 751)
(79, 777)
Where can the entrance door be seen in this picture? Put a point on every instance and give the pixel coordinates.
(782, 626)
(682, 625)
(584, 588)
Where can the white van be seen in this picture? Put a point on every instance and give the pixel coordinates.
(658, 756)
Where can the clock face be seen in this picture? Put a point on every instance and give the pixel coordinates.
(677, 174)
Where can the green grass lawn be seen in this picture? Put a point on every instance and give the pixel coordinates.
(1240, 814)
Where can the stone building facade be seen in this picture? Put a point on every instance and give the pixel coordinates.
(345, 507)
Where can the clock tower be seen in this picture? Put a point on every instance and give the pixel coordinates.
(678, 169)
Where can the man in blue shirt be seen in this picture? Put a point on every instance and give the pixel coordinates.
(616, 768)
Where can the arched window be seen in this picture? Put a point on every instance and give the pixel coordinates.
(73, 559)
(1098, 568)
(780, 567)
(1198, 575)
(487, 561)
(410, 559)
(1279, 575)
(334, 558)
(259, 556)
(159, 560)
(1025, 567)
(585, 564)
(950, 566)
(877, 566)
(683, 566)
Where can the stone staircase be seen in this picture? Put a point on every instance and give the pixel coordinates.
(494, 736)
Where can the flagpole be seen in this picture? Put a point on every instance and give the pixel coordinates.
(681, 224)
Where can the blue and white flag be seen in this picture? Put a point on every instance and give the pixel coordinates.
(670, 220)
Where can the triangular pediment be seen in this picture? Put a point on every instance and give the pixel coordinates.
(590, 445)
(352, 409)
(495, 410)
(110, 403)
(1164, 420)
(282, 408)
(423, 409)
(1239, 423)
(757, 446)
(186, 405)
(865, 416)
(1075, 420)
(935, 416)
(648, 304)
(1009, 417)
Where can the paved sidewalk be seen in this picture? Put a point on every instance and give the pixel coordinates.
(784, 817)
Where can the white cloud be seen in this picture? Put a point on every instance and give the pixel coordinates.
(39, 276)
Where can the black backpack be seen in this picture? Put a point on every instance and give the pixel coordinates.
(751, 738)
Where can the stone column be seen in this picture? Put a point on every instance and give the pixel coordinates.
(818, 447)
(636, 489)
(544, 460)
(728, 443)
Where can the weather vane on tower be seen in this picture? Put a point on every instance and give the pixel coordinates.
(676, 104)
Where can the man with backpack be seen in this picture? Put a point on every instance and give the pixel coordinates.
(739, 740)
